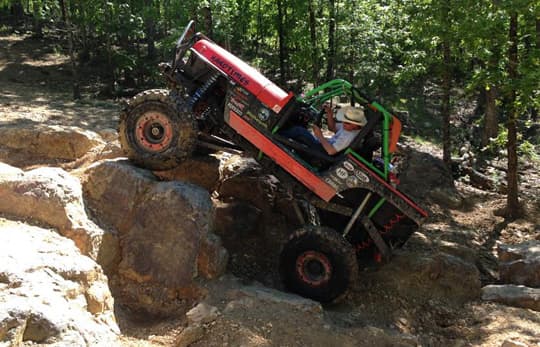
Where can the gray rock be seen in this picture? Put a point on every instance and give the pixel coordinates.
(520, 264)
(202, 314)
(53, 197)
(165, 232)
(513, 343)
(271, 296)
(189, 335)
(423, 275)
(512, 295)
(435, 184)
(49, 291)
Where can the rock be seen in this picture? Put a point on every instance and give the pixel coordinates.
(423, 275)
(236, 217)
(165, 234)
(49, 141)
(513, 343)
(520, 264)
(213, 258)
(436, 184)
(53, 197)
(202, 171)
(202, 314)
(243, 180)
(512, 295)
(271, 296)
(189, 335)
(48, 292)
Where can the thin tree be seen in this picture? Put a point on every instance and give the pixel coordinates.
(513, 209)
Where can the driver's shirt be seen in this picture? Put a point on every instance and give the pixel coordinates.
(342, 138)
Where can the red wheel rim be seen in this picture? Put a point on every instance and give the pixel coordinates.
(313, 268)
(153, 131)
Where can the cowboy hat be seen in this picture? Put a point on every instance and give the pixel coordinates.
(352, 115)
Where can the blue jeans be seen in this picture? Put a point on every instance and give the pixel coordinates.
(302, 135)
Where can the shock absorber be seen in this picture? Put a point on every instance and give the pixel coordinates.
(202, 90)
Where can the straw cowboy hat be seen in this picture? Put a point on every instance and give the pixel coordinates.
(352, 115)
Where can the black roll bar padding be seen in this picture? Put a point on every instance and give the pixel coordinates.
(290, 108)
(373, 119)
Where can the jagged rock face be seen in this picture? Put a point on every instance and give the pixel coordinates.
(50, 293)
(165, 233)
(520, 264)
(53, 197)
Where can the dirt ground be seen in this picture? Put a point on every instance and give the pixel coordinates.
(35, 87)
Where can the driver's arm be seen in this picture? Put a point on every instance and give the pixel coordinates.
(330, 121)
(323, 141)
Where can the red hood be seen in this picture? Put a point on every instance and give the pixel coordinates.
(246, 76)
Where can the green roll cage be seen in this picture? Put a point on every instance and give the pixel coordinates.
(339, 87)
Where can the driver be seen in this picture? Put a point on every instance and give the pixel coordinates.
(347, 124)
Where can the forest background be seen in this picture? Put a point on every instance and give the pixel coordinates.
(465, 71)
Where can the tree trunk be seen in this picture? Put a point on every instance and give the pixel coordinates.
(513, 209)
(331, 55)
(62, 4)
(491, 124)
(17, 11)
(446, 88)
(208, 21)
(314, 50)
(282, 47)
(73, 59)
(150, 30)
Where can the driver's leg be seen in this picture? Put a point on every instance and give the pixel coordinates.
(300, 134)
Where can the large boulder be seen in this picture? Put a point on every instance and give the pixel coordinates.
(243, 179)
(424, 275)
(165, 231)
(50, 294)
(47, 141)
(520, 263)
(425, 177)
(53, 197)
(237, 315)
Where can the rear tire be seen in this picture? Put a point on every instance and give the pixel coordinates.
(318, 263)
(154, 132)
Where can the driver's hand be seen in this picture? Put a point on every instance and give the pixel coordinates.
(328, 109)
(317, 131)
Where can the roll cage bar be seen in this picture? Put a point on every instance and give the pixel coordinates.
(391, 124)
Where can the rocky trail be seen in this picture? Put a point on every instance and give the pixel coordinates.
(97, 252)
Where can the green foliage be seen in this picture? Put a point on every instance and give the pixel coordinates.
(390, 49)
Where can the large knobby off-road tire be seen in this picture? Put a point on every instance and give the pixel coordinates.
(318, 263)
(154, 131)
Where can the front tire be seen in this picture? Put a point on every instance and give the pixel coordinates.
(154, 132)
(318, 263)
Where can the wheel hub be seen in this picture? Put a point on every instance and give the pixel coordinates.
(314, 268)
(154, 131)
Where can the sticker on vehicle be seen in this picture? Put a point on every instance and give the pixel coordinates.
(342, 173)
(361, 176)
(348, 165)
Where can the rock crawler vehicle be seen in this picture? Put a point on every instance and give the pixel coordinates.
(348, 207)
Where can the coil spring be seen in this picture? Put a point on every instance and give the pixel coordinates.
(202, 90)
